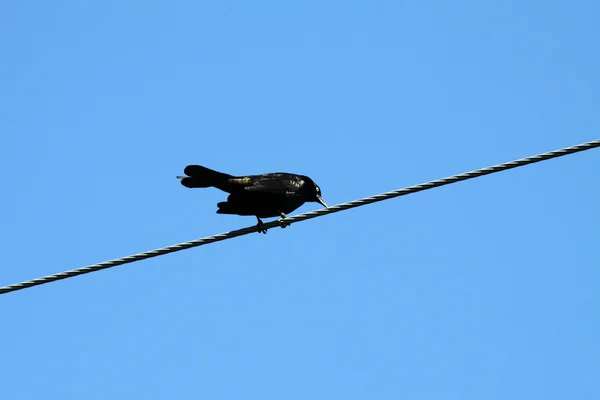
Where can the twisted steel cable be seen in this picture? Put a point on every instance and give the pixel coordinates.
(302, 217)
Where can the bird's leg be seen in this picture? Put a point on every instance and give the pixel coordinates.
(281, 223)
(259, 224)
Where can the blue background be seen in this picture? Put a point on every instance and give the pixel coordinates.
(486, 289)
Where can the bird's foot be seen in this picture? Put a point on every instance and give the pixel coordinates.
(280, 220)
(259, 224)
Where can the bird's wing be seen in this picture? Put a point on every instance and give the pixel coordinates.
(272, 183)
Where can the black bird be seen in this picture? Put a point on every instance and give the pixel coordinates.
(263, 196)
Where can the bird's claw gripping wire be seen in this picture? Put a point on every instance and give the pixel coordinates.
(280, 220)
(259, 224)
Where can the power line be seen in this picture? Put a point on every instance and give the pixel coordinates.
(302, 217)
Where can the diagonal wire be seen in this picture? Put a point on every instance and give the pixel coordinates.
(302, 217)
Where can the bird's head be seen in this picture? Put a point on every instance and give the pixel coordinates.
(318, 197)
(315, 194)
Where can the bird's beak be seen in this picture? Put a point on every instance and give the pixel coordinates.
(322, 202)
(181, 177)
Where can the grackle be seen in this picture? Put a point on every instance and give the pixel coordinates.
(263, 196)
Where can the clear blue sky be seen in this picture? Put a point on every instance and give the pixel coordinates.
(486, 289)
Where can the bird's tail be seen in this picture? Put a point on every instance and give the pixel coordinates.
(202, 177)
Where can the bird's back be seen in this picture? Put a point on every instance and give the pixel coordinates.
(277, 182)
